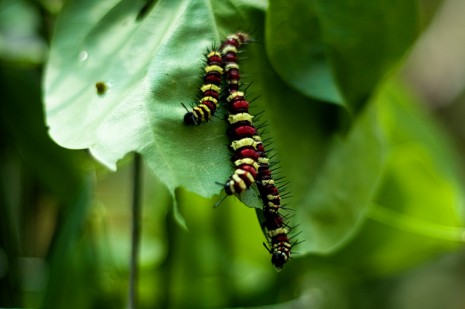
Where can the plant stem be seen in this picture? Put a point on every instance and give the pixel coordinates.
(135, 231)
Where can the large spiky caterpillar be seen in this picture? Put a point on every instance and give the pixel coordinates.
(240, 128)
(253, 165)
(248, 152)
(274, 223)
(244, 145)
(249, 156)
(229, 51)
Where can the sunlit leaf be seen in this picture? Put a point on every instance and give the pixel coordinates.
(148, 67)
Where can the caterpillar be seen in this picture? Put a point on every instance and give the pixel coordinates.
(280, 247)
(275, 225)
(209, 91)
(229, 50)
(245, 143)
(241, 130)
(251, 164)
(249, 156)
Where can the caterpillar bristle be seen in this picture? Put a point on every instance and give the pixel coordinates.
(266, 247)
(221, 200)
(273, 155)
(274, 163)
(291, 231)
(288, 216)
(266, 140)
(267, 145)
(274, 169)
(286, 183)
(297, 242)
(280, 185)
(247, 87)
(277, 179)
(287, 195)
(280, 188)
(286, 208)
(261, 128)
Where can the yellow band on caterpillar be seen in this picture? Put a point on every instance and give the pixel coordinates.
(214, 68)
(232, 119)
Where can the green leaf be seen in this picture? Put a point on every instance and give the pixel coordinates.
(416, 209)
(297, 51)
(338, 51)
(421, 161)
(19, 33)
(148, 67)
(22, 121)
(332, 207)
(395, 167)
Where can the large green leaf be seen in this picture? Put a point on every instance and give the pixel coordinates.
(150, 66)
(334, 205)
(394, 167)
(297, 52)
(337, 51)
(416, 211)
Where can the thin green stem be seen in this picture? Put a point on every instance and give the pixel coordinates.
(135, 231)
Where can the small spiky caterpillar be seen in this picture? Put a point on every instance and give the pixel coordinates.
(210, 91)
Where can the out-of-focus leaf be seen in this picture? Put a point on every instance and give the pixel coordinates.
(333, 206)
(394, 157)
(19, 33)
(420, 146)
(64, 249)
(337, 51)
(22, 120)
(421, 195)
(416, 210)
(297, 51)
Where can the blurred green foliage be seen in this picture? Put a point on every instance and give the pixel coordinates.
(376, 187)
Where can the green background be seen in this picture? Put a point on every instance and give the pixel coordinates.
(375, 179)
